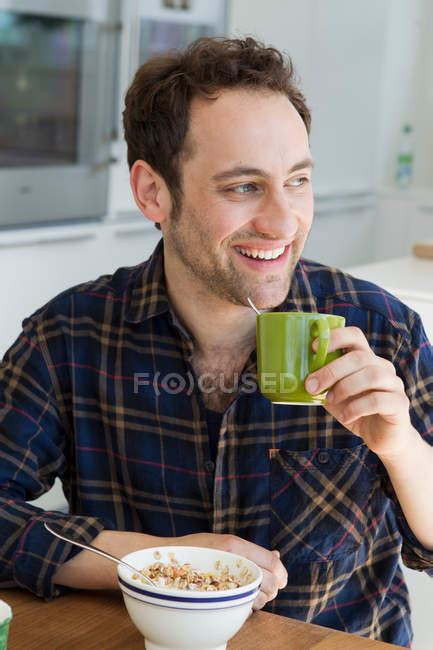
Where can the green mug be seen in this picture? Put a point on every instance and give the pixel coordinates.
(5, 619)
(285, 356)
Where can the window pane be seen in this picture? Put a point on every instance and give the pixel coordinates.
(157, 36)
(40, 83)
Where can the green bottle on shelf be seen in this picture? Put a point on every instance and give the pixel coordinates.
(404, 171)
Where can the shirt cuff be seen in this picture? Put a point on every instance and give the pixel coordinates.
(40, 554)
(414, 555)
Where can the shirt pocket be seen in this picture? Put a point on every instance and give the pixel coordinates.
(320, 502)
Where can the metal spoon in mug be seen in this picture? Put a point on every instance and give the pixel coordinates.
(258, 312)
(108, 556)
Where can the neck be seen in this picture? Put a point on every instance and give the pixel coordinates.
(216, 325)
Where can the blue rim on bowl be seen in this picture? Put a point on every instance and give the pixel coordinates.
(166, 596)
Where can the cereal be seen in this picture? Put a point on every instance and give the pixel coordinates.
(174, 575)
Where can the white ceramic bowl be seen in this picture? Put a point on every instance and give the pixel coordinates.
(175, 619)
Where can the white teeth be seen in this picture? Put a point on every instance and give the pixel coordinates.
(261, 254)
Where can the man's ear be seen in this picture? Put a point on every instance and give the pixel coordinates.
(150, 192)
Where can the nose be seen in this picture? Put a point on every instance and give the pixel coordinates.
(276, 216)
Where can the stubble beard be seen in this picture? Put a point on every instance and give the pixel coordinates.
(227, 283)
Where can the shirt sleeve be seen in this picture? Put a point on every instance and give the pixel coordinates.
(414, 365)
(33, 433)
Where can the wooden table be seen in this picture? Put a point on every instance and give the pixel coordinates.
(98, 621)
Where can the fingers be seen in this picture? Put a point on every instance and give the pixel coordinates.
(268, 590)
(371, 378)
(274, 579)
(267, 560)
(259, 602)
(349, 363)
(394, 407)
(274, 572)
(350, 338)
(270, 585)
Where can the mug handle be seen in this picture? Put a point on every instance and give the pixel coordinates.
(320, 330)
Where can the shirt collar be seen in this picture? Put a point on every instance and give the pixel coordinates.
(147, 295)
(300, 296)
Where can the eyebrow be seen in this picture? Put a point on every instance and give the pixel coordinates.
(242, 170)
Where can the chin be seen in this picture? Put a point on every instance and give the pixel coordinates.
(268, 299)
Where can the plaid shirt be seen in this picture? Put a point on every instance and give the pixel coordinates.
(99, 390)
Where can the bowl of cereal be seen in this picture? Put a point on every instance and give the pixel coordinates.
(201, 599)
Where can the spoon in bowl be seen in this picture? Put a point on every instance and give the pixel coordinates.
(93, 549)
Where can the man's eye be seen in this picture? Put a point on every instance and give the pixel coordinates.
(298, 182)
(245, 188)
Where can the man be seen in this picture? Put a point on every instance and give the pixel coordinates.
(134, 388)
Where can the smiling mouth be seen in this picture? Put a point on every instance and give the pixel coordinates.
(259, 254)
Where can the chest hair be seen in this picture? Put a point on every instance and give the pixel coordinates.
(218, 378)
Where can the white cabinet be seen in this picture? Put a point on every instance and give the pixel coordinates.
(342, 234)
(35, 270)
(392, 228)
(403, 218)
(421, 223)
(38, 264)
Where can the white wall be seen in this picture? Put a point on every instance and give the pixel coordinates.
(399, 81)
(424, 101)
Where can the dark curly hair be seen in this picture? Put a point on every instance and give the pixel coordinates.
(157, 104)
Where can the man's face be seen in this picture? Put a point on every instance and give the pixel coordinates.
(247, 197)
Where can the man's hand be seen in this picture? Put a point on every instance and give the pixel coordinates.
(84, 572)
(274, 573)
(366, 395)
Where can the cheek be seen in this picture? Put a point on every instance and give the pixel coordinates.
(225, 218)
(304, 207)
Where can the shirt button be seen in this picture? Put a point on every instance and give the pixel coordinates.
(323, 457)
(209, 466)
